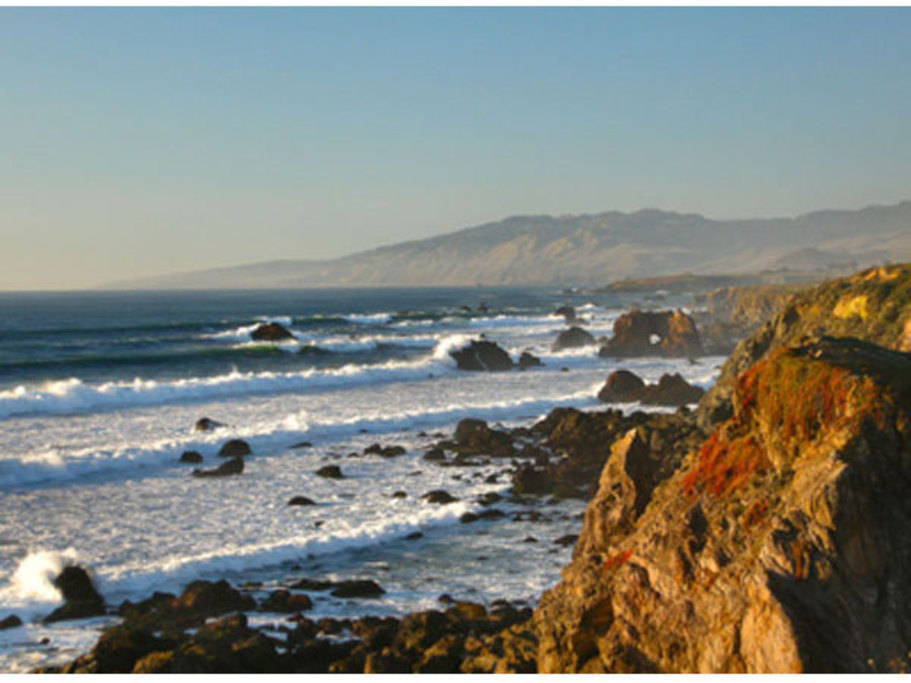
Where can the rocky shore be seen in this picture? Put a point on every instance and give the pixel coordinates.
(767, 530)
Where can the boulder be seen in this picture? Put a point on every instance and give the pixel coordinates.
(192, 457)
(622, 386)
(357, 589)
(671, 390)
(439, 497)
(81, 599)
(527, 360)
(476, 437)
(204, 424)
(653, 333)
(234, 448)
(270, 332)
(226, 469)
(574, 337)
(481, 356)
(435, 454)
(330, 472)
(284, 601)
(385, 451)
(568, 313)
(210, 599)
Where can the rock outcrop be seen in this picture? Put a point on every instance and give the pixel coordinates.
(623, 386)
(734, 313)
(573, 338)
(482, 355)
(653, 333)
(782, 544)
(873, 305)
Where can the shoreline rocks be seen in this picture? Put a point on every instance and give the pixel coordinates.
(573, 338)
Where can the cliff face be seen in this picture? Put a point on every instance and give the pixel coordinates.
(783, 544)
(873, 305)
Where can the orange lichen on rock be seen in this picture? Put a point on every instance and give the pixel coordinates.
(618, 560)
(723, 466)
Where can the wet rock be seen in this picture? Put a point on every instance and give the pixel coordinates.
(399, 494)
(481, 356)
(414, 535)
(284, 601)
(574, 337)
(192, 457)
(435, 454)
(567, 540)
(361, 588)
(330, 472)
(231, 467)
(301, 500)
(271, 332)
(235, 448)
(653, 333)
(476, 437)
(312, 585)
(301, 445)
(528, 360)
(468, 517)
(386, 452)
(12, 621)
(210, 599)
(491, 513)
(489, 498)
(81, 599)
(532, 480)
(622, 386)
(439, 497)
(204, 424)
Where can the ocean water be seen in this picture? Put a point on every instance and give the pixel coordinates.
(99, 393)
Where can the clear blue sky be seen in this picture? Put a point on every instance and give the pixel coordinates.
(142, 141)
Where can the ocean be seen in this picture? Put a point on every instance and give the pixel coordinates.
(99, 394)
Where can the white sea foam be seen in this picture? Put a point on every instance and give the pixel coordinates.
(368, 319)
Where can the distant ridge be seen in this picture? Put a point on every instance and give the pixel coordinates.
(585, 250)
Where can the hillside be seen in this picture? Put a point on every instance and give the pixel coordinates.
(586, 250)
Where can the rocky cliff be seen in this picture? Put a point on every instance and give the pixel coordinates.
(783, 544)
(873, 305)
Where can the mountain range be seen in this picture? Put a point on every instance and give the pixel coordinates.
(586, 250)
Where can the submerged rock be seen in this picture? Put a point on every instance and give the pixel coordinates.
(439, 497)
(285, 601)
(234, 448)
(361, 588)
(192, 457)
(301, 500)
(330, 472)
(568, 313)
(476, 437)
(226, 469)
(204, 424)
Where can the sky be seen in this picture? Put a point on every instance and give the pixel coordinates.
(144, 141)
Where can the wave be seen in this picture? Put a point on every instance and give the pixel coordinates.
(72, 395)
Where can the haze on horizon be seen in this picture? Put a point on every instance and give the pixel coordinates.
(146, 141)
